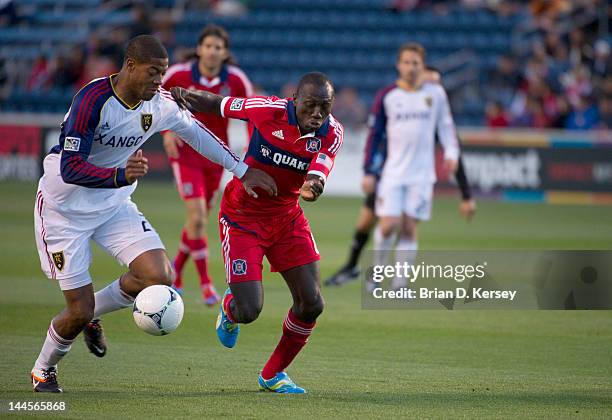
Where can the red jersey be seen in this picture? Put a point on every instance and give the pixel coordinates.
(278, 148)
(230, 81)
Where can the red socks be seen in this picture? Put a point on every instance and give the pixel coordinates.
(295, 336)
(181, 258)
(199, 253)
(198, 249)
(227, 300)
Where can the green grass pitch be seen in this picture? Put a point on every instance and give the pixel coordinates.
(357, 364)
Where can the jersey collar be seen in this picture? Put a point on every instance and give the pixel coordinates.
(292, 120)
(197, 77)
(121, 101)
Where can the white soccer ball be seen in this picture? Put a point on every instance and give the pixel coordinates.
(158, 310)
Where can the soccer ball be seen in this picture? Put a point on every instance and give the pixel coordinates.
(158, 310)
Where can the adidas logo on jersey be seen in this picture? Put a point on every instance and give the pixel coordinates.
(278, 134)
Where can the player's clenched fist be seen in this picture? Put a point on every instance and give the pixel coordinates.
(312, 188)
(137, 166)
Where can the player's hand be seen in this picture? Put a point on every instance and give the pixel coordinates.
(171, 144)
(450, 165)
(137, 166)
(467, 209)
(256, 178)
(180, 96)
(312, 188)
(368, 184)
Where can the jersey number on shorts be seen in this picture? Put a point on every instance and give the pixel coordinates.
(145, 228)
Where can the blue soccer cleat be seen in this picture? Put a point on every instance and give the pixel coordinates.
(281, 384)
(227, 331)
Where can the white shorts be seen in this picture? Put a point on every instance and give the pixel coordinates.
(63, 238)
(412, 200)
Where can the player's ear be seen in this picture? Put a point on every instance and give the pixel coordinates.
(130, 64)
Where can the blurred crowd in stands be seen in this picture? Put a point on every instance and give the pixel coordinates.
(563, 80)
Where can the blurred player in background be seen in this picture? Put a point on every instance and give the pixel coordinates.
(197, 178)
(85, 194)
(295, 140)
(367, 219)
(407, 115)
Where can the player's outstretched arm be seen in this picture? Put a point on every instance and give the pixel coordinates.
(199, 101)
(210, 146)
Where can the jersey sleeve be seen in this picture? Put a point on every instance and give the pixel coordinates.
(445, 127)
(255, 109)
(242, 87)
(77, 138)
(322, 164)
(462, 181)
(200, 138)
(377, 136)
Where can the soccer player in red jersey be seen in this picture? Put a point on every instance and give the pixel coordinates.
(198, 178)
(295, 140)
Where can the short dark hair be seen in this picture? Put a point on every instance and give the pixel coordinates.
(414, 47)
(144, 48)
(314, 78)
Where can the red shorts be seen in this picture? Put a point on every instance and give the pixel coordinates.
(197, 181)
(287, 242)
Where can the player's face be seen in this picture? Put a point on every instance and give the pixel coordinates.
(146, 78)
(312, 106)
(410, 66)
(212, 52)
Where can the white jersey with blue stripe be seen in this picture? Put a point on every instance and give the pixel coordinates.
(85, 172)
(403, 125)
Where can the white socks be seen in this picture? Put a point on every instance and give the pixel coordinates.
(111, 299)
(382, 246)
(405, 251)
(54, 348)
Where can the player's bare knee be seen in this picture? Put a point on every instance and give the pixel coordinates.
(196, 225)
(161, 274)
(388, 229)
(311, 309)
(248, 313)
(164, 275)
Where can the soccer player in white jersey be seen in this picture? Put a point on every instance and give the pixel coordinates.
(85, 192)
(407, 116)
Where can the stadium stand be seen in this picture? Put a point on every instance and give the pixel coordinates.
(354, 41)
